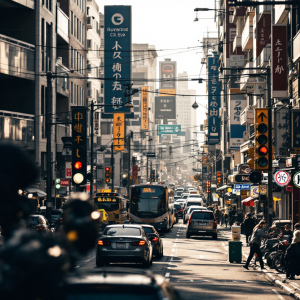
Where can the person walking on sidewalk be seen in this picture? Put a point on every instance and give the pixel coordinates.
(293, 257)
(255, 244)
(226, 218)
(249, 224)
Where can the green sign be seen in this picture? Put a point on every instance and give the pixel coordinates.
(168, 129)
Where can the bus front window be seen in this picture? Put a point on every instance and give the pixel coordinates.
(107, 203)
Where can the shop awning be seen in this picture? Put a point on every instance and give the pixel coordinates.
(248, 201)
(221, 188)
(36, 193)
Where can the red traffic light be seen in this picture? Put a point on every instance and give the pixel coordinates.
(107, 169)
(262, 150)
(78, 165)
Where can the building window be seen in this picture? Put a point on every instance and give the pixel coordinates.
(87, 11)
(72, 91)
(43, 44)
(77, 87)
(105, 128)
(43, 100)
(72, 23)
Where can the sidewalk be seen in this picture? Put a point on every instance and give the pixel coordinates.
(290, 287)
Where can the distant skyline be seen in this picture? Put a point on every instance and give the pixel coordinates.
(168, 24)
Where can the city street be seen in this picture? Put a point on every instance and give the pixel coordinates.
(199, 267)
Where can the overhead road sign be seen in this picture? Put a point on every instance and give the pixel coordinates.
(168, 129)
(151, 154)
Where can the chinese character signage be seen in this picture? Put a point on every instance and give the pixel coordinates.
(117, 56)
(279, 61)
(263, 30)
(119, 131)
(282, 132)
(79, 144)
(145, 110)
(214, 90)
(165, 107)
(236, 105)
(295, 121)
(167, 75)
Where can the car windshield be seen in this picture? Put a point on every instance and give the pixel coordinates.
(194, 208)
(148, 229)
(194, 196)
(33, 221)
(203, 215)
(122, 231)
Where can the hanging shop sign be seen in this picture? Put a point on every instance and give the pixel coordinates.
(167, 76)
(282, 178)
(295, 122)
(254, 191)
(144, 108)
(296, 179)
(119, 131)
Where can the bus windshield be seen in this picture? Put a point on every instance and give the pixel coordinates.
(107, 203)
(148, 201)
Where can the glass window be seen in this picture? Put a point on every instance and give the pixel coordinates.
(148, 229)
(122, 231)
(72, 22)
(33, 221)
(203, 215)
(72, 91)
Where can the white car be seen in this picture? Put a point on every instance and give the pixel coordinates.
(190, 210)
(194, 201)
(185, 195)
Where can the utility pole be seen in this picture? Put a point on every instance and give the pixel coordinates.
(48, 147)
(112, 168)
(129, 160)
(92, 150)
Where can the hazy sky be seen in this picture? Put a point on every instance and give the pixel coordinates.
(169, 24)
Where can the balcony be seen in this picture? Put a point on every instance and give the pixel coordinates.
(237, 42)
(62, 83)
(62, 27)
(16, 58)
(247, 82)
(238, 12)
(264, 9)
(281, 12)
(18, 4)
(17, 128)
(265, 57)
(296, 47)
(247, 35)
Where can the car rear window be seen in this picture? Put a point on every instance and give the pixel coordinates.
(122, 231)
(194, 203)
(148, 229)
(203, 215)
(33, 221)
(177, 206)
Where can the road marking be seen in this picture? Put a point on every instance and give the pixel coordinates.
(201, 256)
(173, 250)
(77, 267)
(279, 296)
(167, 275)
(176, 240)
(90, 259)
(172, 255)
(175, 245)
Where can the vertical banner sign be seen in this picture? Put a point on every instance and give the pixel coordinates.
(295, 121)
(263, 30)
(117, 56)
(236, 105)
(279, 61)
(145, 111)
(167, 72)
(282, 132)
(119, 131)
(135, 173)
(79, 144)
(214, 99)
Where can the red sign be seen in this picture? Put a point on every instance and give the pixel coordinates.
(263, 30)
(64, 182)
(279, 61)
(135, 172)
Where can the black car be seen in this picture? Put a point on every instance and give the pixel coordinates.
(39, 223)
(179, 209)
(116, 283)
(156, 241)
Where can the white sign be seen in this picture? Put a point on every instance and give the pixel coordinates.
(296, 180)
(100, 159)
(282, 178)
(254, 191)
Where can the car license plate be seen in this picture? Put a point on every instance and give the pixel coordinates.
(121, 246)
(202, 223)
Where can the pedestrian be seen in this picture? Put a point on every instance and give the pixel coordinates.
(255, 244)
(217, 214)
(297, 226)
(293, 257)
(226, 218)
(249, 224)
(231, 217)
(287, 232)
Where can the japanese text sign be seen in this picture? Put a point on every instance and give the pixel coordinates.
(119, 131)
(214, 102)
(144, 108)
(295, 121)
(279, 61)
(165, 107)
(167, 75)
(117, 56)
(263, 33)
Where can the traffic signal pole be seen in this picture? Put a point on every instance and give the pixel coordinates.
(112, 168)
(92, 149)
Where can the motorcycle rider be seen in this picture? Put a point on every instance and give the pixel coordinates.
(293, 257)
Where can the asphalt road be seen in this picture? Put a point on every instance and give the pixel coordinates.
(199, 269)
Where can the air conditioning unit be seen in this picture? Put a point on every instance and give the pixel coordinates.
(89, 23)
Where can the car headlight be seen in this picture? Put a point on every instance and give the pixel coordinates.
(165, 219)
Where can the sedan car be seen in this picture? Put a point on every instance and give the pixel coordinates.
(202, 222)
(190, 209)
(179, 207)
(116, 283)
(124, 243)
(156, 241)
(39, 223)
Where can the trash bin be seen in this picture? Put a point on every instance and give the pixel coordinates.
(235, 251)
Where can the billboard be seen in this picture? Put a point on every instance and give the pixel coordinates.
(144, 108)
(167, 74)
(117, 56)
(119, 131)
(279, 61)
(237, 104)
(165, 107)
(214, 101)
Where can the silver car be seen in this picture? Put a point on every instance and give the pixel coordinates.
(124, 243)
(190, 210)
(202, 222)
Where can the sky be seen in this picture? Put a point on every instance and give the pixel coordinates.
(169, 24)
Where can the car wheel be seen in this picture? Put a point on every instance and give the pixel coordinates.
(99, 263)
(160, 253)
(188, 235)
(215, 236)
(146, 264)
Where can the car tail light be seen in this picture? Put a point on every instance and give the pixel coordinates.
(155, 239)
(60, 220)
(190, 220)
(285, 242)
(39, 227)
(180, 209)
(138, 243)
(103, 243)
(215, 223)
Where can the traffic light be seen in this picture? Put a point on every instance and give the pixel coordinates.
(170, 150)
(107, 174)
(255, 177)
(262, 142)
(79, 145)
(57, 184)
(207, 186)
(153, 175)
(89, 176)
(251, 158)
(219, 178)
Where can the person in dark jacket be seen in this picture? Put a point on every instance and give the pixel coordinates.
(255, 243)
(287, 233)
(293, 257)
(249, 224)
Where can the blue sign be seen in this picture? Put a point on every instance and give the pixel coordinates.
(117, 56)
(214, 101)
(168, 129)
(242, 187)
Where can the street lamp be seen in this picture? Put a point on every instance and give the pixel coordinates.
(195, 105)
(129, 104)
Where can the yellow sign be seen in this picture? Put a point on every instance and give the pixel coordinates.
(119, 131)
(145, 110)
(276, 199)
(229, 190)
(167, 92)
(106, 199)
(148, 190)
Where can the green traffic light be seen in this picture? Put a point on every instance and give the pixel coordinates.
(57, 180)
(57, 186)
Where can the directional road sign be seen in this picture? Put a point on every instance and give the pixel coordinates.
(168, 129)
